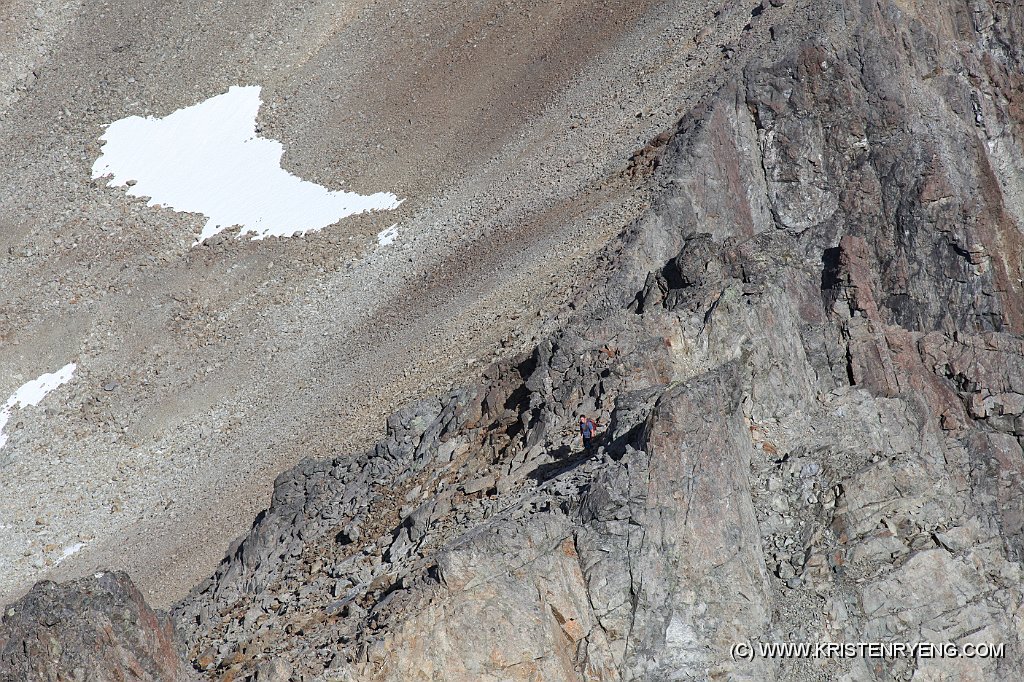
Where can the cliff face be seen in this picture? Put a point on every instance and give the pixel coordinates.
(808, 364)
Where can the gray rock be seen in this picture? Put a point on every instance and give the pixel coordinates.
(276, 670)
(481, 484)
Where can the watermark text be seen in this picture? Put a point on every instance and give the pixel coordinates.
(748, 651)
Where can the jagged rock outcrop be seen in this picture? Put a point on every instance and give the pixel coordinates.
(808, 364)
(98, 629)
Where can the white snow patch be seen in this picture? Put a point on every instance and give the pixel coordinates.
(388, 236)
(68, 551)
(208, 159)
(32, 393)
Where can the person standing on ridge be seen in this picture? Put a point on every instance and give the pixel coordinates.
(588, 429)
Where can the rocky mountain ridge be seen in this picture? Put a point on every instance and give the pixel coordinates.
(808, 364)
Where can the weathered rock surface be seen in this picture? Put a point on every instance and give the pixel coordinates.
(98, 629)
(808, 365)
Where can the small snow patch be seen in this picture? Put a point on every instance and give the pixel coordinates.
(70, 550)
(388, 236)
(207, 158)
(32, 393)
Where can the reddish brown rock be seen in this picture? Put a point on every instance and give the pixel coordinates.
(98, 628)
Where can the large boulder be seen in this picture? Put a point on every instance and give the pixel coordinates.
(98, 628)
